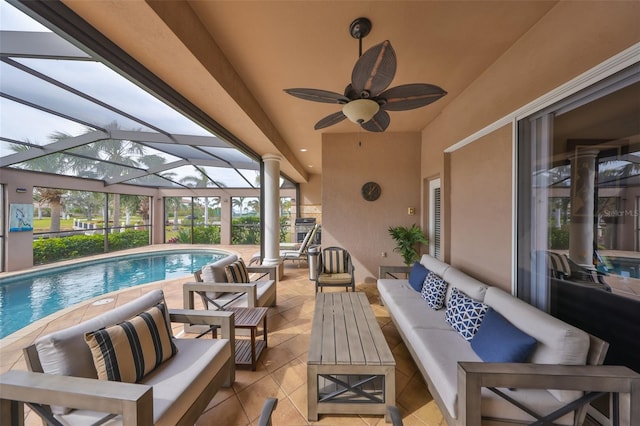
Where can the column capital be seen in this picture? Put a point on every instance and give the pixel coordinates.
(585, 153)
(272, 157)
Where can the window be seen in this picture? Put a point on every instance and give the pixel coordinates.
(578, 177)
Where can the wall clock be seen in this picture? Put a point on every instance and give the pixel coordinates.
(371, 191)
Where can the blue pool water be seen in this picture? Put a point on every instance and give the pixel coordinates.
(32, 296)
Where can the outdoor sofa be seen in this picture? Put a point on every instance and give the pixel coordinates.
(557, 361)
(216, 287)
(63, 382)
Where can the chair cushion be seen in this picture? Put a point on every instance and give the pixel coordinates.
(434, 290)
(237, 272)
(343, 278)
(464, 314)
(334, 261)
(417, 275)
(497, 340)
(128, 351)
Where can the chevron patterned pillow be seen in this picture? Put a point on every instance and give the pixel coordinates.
(434, 290)
(464, 314)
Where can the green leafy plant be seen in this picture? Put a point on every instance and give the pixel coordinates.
(407, 238)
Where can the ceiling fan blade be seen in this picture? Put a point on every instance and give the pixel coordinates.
(409, 96)
(374, 70)
(317, 95)
(330, 120)
(378, 123)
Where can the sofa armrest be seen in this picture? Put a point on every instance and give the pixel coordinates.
(133, 401)
(390, 270)
(224, 319)
(473, 376)
(188, 290)
(272, 271)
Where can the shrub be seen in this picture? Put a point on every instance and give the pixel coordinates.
(245, 230)
(559, 238)
(49, 250)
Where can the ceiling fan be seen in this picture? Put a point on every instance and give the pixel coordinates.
(365, 100)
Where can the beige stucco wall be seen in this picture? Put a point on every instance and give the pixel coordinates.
(311, 198)
(570, 40)
(349, 161)
(481, 200)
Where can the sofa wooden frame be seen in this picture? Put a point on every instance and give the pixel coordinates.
(134, 402)
(595, 379)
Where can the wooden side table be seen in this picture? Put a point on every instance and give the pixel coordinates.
(248, 351)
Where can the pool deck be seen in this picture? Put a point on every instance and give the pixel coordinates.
(281, 370)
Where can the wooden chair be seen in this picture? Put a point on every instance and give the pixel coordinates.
(335, 269)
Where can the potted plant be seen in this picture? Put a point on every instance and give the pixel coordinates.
(406, 239)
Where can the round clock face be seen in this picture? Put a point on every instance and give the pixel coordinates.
(371, 191)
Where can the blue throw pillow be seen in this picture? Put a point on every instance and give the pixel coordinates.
(417, 275)
(497, 340)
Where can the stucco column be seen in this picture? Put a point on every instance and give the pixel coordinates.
(583, 170)
(271, 206)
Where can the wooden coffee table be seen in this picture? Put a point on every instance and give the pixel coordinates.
(248, 351)
(350, 369)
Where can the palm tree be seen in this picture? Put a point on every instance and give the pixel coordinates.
(238, 202)
(254, 204)
(114, 154)
(200, 181)
(54, 198)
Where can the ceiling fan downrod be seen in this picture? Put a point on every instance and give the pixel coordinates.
(359, 29)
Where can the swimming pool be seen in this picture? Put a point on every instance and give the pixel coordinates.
(31, 296)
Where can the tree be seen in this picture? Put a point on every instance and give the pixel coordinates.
(109, 155)
(173, 203)
(239, 203)
(254, 204)
(53, 197)
(201, 181)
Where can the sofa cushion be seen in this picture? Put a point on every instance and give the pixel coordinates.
(558, 342)
(175, 383)
(463, 282)
(215, 271)
(434, 290)
(417, 275)
(439, 352)
(408, 310)
(464, 314)
(265, 291)
(65, 352)
(435, 265)
(128, 351)
(237, 272)
(497, 340)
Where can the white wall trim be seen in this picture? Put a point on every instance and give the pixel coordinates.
(616, 63)
(514, 207)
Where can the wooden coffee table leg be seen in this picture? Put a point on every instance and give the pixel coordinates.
(312, 393)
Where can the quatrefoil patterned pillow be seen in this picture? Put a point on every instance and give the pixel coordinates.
(434, 290)
(464, 314)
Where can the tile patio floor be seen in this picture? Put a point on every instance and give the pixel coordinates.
(281, 370)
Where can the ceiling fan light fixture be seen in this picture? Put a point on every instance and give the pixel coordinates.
(360, 110)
